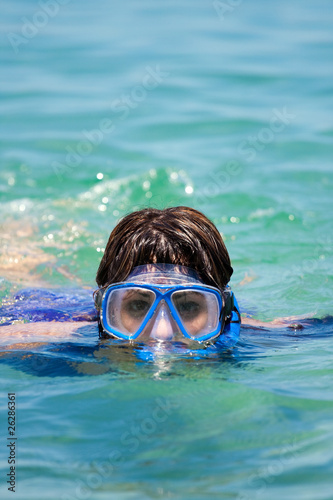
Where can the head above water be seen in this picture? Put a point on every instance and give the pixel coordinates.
(188, 242)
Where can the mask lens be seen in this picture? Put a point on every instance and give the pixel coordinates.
(198, 311)
(127, 308)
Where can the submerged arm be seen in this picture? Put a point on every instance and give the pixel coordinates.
(32, 331)
(287, 322)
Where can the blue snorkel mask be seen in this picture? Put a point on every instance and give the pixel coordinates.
(166, 302)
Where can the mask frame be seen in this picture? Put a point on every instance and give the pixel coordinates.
(164, 292)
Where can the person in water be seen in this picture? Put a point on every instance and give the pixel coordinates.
(163, 277)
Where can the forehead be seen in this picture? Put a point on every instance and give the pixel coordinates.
(163, 274)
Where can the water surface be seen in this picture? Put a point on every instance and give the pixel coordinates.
(228, 111)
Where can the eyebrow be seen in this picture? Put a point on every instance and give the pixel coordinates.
(141, 293)
(188, 293)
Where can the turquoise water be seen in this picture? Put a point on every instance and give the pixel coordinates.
(223, 106)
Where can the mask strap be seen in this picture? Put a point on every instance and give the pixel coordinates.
(98, 298)
(229, 304)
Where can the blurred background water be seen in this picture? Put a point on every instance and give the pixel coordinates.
(226, 106)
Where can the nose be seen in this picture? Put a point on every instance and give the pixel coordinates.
(162, 327)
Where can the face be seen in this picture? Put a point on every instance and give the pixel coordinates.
(167, 305)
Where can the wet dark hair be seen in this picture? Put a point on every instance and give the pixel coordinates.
(177, 235)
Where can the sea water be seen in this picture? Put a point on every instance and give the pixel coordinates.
(108, 107)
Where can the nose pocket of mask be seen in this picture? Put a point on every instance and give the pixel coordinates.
(162, 324)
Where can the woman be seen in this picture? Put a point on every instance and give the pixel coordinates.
(163, 276)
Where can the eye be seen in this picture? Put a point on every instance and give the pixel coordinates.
(188, 309)
(137, 307)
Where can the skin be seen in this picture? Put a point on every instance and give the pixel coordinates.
(32, 331)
